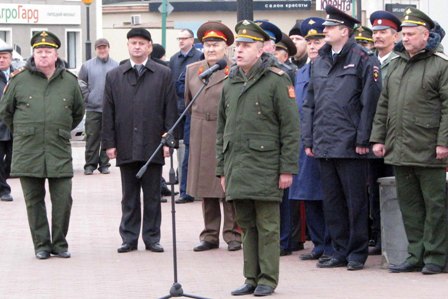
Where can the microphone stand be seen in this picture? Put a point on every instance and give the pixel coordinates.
(168, 140)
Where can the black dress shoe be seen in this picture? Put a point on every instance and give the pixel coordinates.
(324, 258)
(404, 267)
(354, 265)
(42, 255)
(332, 263)
(156, 247)
(6, 197)
(234, 246)
(62, 254)
(285, 252)
(432, 269)
(204, 245)
(246, 289)
(310, 256)
(375, 250)
(263, 290)
(104, 170)
(126, 248)
(185, 199)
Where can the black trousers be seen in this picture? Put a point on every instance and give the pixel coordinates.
(346, 207)
(5, 166)
(131, 219)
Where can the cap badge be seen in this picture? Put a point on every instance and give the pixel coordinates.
(406, 18)
(244, 31)
(409, 11)
(380, 21)
(311, 22)
(44, 34)
(246, 22)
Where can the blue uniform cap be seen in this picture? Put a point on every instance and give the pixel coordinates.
(313, 27)
(273, 31)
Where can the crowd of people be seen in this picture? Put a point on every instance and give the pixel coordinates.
(289, 137)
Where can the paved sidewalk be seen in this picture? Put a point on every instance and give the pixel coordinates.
(96, 270)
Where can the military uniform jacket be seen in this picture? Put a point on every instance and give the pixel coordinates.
(137, 111)
(258, 132)
(341, 100)
(202, 181)
(5, 133)
(412, 114)
(41, 113)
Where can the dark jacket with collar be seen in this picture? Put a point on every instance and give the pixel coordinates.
(5, 133)
(137, 111)
(178, 63)
(341, 100)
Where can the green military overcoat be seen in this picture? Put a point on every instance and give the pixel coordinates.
(258, 132)
(412, 113)
(41, 113)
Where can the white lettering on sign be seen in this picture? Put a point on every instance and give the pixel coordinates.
(40, 14)
(344, 5)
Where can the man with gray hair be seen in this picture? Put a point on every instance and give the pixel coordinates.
(93, 74)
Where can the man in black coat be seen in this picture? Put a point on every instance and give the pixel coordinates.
(139, 107)
(5, 134)
(337, 119)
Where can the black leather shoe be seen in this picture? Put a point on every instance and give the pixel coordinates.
(263, 290)
(104, 170)
(432, 269)
(62, 254)
(6, 197)
(324, 258)
(354, 265)
(331, 263)
(285, 252)
(204, 245)
(246, 289)
(126, 248)
(404, 267)
(88, 171)
(310, 256)
(234, 246)
(375, 250)
(42, 255)
(185, 199)
(156, 247)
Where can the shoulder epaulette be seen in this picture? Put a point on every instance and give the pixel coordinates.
(441, 55)
(71, 73)
(16, 72)
(395, 57)
(367, 51)
(276, 70)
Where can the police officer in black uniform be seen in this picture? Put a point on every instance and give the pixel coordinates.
(337, 119)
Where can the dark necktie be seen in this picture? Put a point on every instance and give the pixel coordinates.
(139, 68)
(335, 56)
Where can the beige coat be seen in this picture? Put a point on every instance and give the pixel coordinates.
(202, 181)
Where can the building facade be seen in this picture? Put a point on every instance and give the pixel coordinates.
(20, 19)
(121, 15)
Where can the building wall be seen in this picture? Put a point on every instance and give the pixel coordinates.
(20, 18)
(117, 21)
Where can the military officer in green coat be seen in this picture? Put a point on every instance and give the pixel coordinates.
(410, 131)
(41, 105)
(257, 153)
